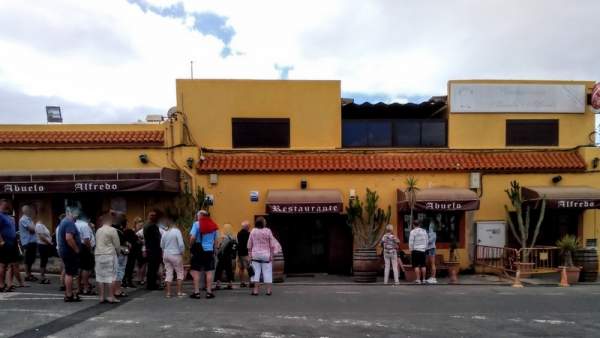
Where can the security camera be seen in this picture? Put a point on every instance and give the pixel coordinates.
(144, 158)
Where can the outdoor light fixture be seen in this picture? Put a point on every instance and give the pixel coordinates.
(556, 179)
(144, 158)
(303, 183)
(190, 162)
(595, 162)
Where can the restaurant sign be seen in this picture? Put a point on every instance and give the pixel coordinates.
(574, 204)
(447, 205)
(79, 187)
(307, 208)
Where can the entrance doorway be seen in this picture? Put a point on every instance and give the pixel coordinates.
(556, 224)
(314, 243)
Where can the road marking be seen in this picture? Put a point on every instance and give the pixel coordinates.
(13, 299)
(294, 292)
(479, 317)
(553, 321)
(348, 292)
(554, 294)
(507, 293)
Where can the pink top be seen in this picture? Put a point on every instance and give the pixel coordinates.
(261, 244)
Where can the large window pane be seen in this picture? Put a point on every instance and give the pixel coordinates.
(354, 133)
(433, 134)
(260, 133)
(445, 224)
(407, 133)
(380, 133)
(532, 132)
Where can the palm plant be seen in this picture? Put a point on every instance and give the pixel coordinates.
(185, 205)
(523, 218)
(567, 245)
(411, 196)
(367, 220)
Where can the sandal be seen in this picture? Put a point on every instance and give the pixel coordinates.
(45, 281)
(72, 299)
(229, 287)
(254, 293)
(269, 293)
(3, 289)
(11, 288)
(121, 295)
(210, 295)
(243, 285)
(114, 301)
(196, 295)
(180, 294)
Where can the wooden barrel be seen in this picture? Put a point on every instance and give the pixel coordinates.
(365, 265)
(278, 268)
(587, 258)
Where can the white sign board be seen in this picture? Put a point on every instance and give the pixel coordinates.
(517, 98)
(491, 233)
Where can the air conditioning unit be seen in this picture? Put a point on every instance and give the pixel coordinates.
(154, 118)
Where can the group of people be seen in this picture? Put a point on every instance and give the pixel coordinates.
(421, 244)
(112, 250)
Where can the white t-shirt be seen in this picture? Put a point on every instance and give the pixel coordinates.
(42, 231)
(85, 232)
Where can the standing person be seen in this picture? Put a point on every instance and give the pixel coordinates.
(8, 246)
(390, 243)
(417, 244)
(69, 247)
(153, 251)
(44, 243)
(203, 236)
(135, 251)
(141, 257)
(106, 250)
(86, 257)
(261, 248)
(119, 224)
(28, 239)
(226, 254)
(430, 253)
(172, 245)
(62, 265)
(243, 260)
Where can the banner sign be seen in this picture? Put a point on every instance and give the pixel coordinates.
(596, 96)
(84, 187)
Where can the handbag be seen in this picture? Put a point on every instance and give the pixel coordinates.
(250, 270)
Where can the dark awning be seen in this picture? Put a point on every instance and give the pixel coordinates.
(564, 197)
(159, 179)
(317, 201)
(441, 199)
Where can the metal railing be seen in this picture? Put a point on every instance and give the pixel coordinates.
(542, 259)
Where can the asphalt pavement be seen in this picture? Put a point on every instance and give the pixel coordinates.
(313, 311)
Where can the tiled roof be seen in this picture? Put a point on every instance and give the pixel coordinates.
(72, 138)
(440, 161)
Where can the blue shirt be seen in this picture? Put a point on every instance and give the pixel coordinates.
(207, 240)
(7, 229)
(65, 227)
(26, 237)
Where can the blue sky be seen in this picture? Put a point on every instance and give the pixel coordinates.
(117, 61)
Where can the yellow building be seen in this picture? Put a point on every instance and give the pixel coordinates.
(294, 152)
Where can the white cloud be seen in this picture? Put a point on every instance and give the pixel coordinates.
(111, 53)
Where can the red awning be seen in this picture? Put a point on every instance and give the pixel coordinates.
(441, 199)
(316, 201)
(159, 179)
(564, 197)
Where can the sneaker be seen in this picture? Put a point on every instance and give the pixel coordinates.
(417, 282)
(432, 280)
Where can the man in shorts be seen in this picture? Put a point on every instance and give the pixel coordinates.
(28, 239)
(69, 248)
(243, 259)
(86, 257)
(203, 257)
(8, 245)
(417, 244)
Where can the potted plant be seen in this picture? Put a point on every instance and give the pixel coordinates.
(522, 230)
(367, 222)
(568, 245)
(411, 198)
(453, 262)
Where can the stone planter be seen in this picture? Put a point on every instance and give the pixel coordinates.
(453, 269)
(365, 265)
(409, 273)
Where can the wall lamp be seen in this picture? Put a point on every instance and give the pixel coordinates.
(144, 158)
(190, 162)
(556, 179)
(303, 183)
(595, 162)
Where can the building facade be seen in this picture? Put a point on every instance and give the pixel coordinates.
(294, 152)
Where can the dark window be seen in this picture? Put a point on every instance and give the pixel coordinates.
(531, 132)
(393, 133)
(446, 225)
(260, 133)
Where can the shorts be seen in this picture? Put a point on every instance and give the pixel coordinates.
(262, 268)
(72, 264)
(45, 251)
(244, 262)
(106, 268)
(9, 253)
(30, 253)
(86, 259)
(202, 260)
(173, 263)
(417, 259)
(430, 252)
(122, 263)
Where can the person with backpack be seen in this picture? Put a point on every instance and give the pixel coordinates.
(390, 244)
(225, 257)
(203, 237)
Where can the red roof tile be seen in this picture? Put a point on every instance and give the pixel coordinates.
(101, 138)
(441, 161)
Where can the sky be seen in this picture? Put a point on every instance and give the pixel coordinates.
(113, 61)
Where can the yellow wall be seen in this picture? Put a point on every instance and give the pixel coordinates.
(488, 130)
(313, 108)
